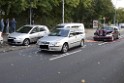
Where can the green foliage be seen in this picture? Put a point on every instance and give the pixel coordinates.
(49, 12)
(120, 15)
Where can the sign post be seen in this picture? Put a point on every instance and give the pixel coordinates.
(95, 24)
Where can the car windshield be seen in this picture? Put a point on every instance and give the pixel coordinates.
(59, 32)
(109, 28)
(24, 29)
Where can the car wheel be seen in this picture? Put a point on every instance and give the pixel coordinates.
(64, 48)
(82, 43)
(26, 42)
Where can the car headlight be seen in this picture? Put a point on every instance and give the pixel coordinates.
(109, 34)
(54, 43)
(18, 38)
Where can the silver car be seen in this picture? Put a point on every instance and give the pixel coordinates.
(1, 40)
(27, 34)
(61, 40)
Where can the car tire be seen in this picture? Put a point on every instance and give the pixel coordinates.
(64, 48)
(82, 43)
(26, 42)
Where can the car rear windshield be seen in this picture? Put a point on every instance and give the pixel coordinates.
(24, 29)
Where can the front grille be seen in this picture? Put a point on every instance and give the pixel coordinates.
(45, 42)
(44, 46)
(10, 40)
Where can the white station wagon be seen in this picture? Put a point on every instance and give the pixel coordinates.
(27, 34)
(62, 39)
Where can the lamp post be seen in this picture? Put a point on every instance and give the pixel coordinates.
(115, 13)
(63, 11)
(115, 16)
(30, 12)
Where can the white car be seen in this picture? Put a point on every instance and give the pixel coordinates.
(1, 40)
(61, 40)
(27, 34)
(72, 26)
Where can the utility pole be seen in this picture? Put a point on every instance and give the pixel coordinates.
(63, 11)
(115, 13)
(30, 12)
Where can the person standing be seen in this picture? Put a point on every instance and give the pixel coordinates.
(13, 25)
(7, 25)
(2, 25)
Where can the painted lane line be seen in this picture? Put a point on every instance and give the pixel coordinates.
(84, 46)
(102, 43)
(121, 36)
(64, 55)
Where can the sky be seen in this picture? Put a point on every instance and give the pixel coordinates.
(118, 3)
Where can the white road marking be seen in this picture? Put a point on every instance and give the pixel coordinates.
(63, 55)
(84, 46)
(102, 43)
(121, 36)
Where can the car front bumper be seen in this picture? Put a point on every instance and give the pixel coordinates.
(15, 41)
(50, 48)
(102, 38)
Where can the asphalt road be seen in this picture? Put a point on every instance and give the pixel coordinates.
(96, 62)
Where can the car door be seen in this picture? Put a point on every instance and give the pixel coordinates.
(42, 32)
(72, 39)
(34, 34)
(79, 37)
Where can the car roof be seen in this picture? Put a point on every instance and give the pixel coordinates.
(64, 24)
(70, 30)
(34, 25)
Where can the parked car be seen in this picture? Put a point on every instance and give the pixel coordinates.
(72, 26)
(1, 40)
(106, 33)
(61, 40)
(27, 34)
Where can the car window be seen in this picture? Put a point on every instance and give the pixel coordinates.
(41, 29)
(24, 29)
(77, 33)
(59, 27)
(72, 34)
(75, 27)
(35, 30)
(115, 29)
(68, 27)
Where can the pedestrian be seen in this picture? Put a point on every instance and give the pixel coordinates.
(13, 25)
(7, 26)
(2, 25)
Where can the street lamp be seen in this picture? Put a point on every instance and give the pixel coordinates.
(30, 11)
(63, 11)
(115, 16)
(115, 13)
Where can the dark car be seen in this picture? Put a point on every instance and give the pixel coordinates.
(106, 33)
